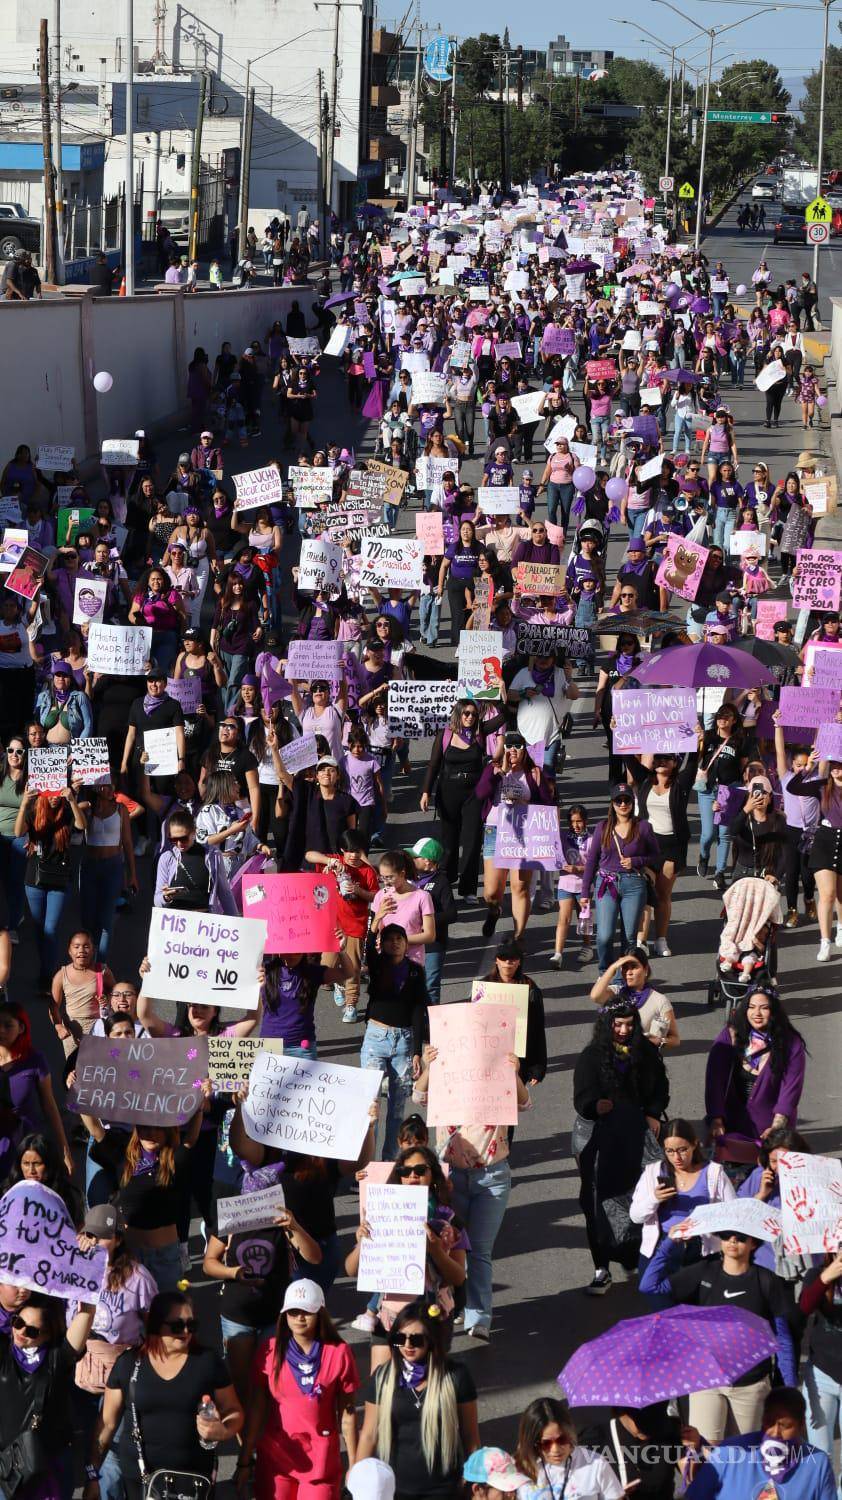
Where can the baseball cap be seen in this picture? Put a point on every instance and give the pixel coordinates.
(61, 669)
(184, 458)
(427, 849)
(327, 760)
(370, 1479)
(493, 1467)
(763, 782)
(155, 674)
(622, 790)
(303, 1296)
(103, 1221)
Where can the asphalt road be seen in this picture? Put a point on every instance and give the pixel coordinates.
(541, 1262)
(743, 252)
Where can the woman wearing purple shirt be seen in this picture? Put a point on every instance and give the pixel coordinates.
(459, 567)
(755, 1070)
(621, 848)
(288, 998)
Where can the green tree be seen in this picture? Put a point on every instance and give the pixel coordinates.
(807, 131)
(476, 64)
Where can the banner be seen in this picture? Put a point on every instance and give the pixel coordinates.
(119, 650)
(315, 1108)
(681, 566)
(537, 579)
(534, 638)
(429, 388)
(48, 768)
(487, 992)
(811, 1203)
(89, 596)
(41, 1247)
(660, 720)
(312, 661)
(319, 566)
(258, 487)
(300, 911)
(498, 500)
(377, 484)
(817, 579)
(480, 658)
(141, 1080)
(393, 1256)
(196, 952)
(161, 748)
(120, 453)
(28, 572)
(308, 345)
(418, 710)
(88, 761)
(528, 838)
(745, 1215)
(392, 563)
(472, 1081)
(249, 1211)
(231, 1059)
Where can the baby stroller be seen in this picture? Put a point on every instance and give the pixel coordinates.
(748, 953)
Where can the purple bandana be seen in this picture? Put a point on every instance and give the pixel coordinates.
(412, 1374)
(305, 1367)
(29, 1360)
(147, 1162)
(151, 704)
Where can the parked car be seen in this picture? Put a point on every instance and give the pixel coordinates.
(18, 231)
(790, 227)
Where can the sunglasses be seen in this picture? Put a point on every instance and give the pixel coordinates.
(32, 1330)
(228, 726)
(179, 838)
(734, 1234)
(12, 751)
(181, 1325)
(320, 687)
(413, 1171)
(409, 1340)
(623, 801)
(547, 1444)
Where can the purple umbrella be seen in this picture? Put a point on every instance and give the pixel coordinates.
(683, 377)
(666, 1354)
(338, 297)
(702, 666)
(580, 267)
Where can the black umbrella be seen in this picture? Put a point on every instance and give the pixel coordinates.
(781, 660)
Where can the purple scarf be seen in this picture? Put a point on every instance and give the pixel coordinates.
(29, 1360)
(636, 997)
(779, 1457)
(625, 662)
(754, 1054)
(544, 678)
(262, 1177)
(61, 695)
(305, 1367)
(147, 1162)
(412, 1374)
(151, 704)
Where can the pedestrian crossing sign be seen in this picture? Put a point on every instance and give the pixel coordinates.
(687, 190)
(818, 212)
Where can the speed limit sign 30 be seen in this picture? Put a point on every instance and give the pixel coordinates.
(818, 234)
(666, 184)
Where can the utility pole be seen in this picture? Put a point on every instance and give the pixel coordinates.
(413, 125)
(520, 78)
(453, 119)
(128, 247)
(49, 180)
(508, 119)
(669, 114)
(820, 154)
(502, 124)
(706, 105)
(55, 102)
(320, 161)
(196, 175)
(245, 161)
(334, 92)
(550, 127)
(576, 103)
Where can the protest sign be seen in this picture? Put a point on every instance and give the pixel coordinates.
(821, 494)
(528, 407)
(310, 661)
(339, 338)
(600, 369)
(808, 707)
(15, 540)
(412, 286)
(460, 355)
(392, 563)
(558, 340)
(300, 754)
(746, 1215)
(319, 566)
(828, 743)
(499, 500)
(771, 374)
(250, 1211)
(535, 638)
(483, 597)
(528, 838)
(486, 992)
(299, 911)
(71, 520)
(826, 670)
(661, 720)
(140, 1080)
(369, 486)
(391, 482)
(55, 458)
(308, 345)
(563, 428)
(652, 469)
(508, 349)
(310, 487)
(418, 710)
(430, 471)
(28, 572)
(817, 579)
(472, 1081)
(819, 653)
(429, 388)
(10, 512)
(89, 762)
(811, 1203)
(681, 566)
(231, 1059)
(393, 1255)
(480, 658)
(748, 541)
(118, 453)
(48, 768)
(186, 691)
(119, 650)
(429, 531)
(41, 1247)
(539, 578)
(89, 596)
(256, 487)
(769, 613)
(196, 952)
(161, 749)
(315, 1108)
(650, 396)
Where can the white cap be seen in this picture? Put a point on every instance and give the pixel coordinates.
(303, 1296)
(370, 1479)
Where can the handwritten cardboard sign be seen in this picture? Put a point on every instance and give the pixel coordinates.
(828, 744)
(528, 838)
(300, 911)
(392, 563)
(536, 579)
(88, 761)
(319, 566)
(120, 453)
(310, 661)
(770, 612)
(393, 1257)
(257, 487)
(119, 650)
(536, 638)
(746, 1215)
(300, 754)
(55, 458)
(499, 500)
(818, 579)
(194, 952)
(808, 707)
(661, 720)
(480, 658)
(250, 1210)
(429, 531)
(141, 1080)
(418, 710)
(186, 691)
(310, 487)
(48, 768)
(39, 1246)
(161, 747)
(316, 1108)
(429, 388)
(472, 1081)
(487, 992)
(231, 1059)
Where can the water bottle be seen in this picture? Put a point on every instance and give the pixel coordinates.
(207, 1409)
(584, 923)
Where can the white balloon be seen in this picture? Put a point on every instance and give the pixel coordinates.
(103, 381)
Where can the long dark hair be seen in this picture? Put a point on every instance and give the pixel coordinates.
(603, 1040)
(782, 1033)
(326, 1333)
(162, 1306)
(611, 825)
(544, 1412)
(440, 1184)
(685, 1132)
(56, 1177)
(782, 1138)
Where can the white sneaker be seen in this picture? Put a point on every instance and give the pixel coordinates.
(365, 1322)
(837, 936)
(823, 955)
(349, 1015)
(556, 960)
(338, 995)
(660, 948)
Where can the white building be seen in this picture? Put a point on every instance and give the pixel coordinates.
(287, 46)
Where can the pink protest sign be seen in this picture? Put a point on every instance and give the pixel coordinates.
(300, 911)
(558, 340)
(600, 369)
(817, 579)
(809, 707)
(819, 656)
(472, 1081)
(769, 612)
(429, 529)
(828, 744)
(682, 566)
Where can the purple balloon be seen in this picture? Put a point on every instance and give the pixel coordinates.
(671, 293)
(700, 305)
(682, 301)
(616, 490)
(821, 401)
(584, 478)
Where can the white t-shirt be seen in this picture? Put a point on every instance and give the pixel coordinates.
(540, 718)
(589, 1477)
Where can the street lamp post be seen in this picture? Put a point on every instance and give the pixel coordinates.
(668, 52)
(820, 151)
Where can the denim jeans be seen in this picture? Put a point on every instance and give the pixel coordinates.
(390, 515)
(46, 908)
(12, 873)
(738, 366)
(480, 1197)
(712, 832)
(99, 1184)
(559, 500)
(311, 1052)
(599, 433)
(723, 526)
(389, 1048)
(236, 667)
(433, 966)
(636, 520)
(164, 1263)
(165, 648)
(100, 884)
(682, 432)
(823, 1395)
(628, 902)
(429, 610)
